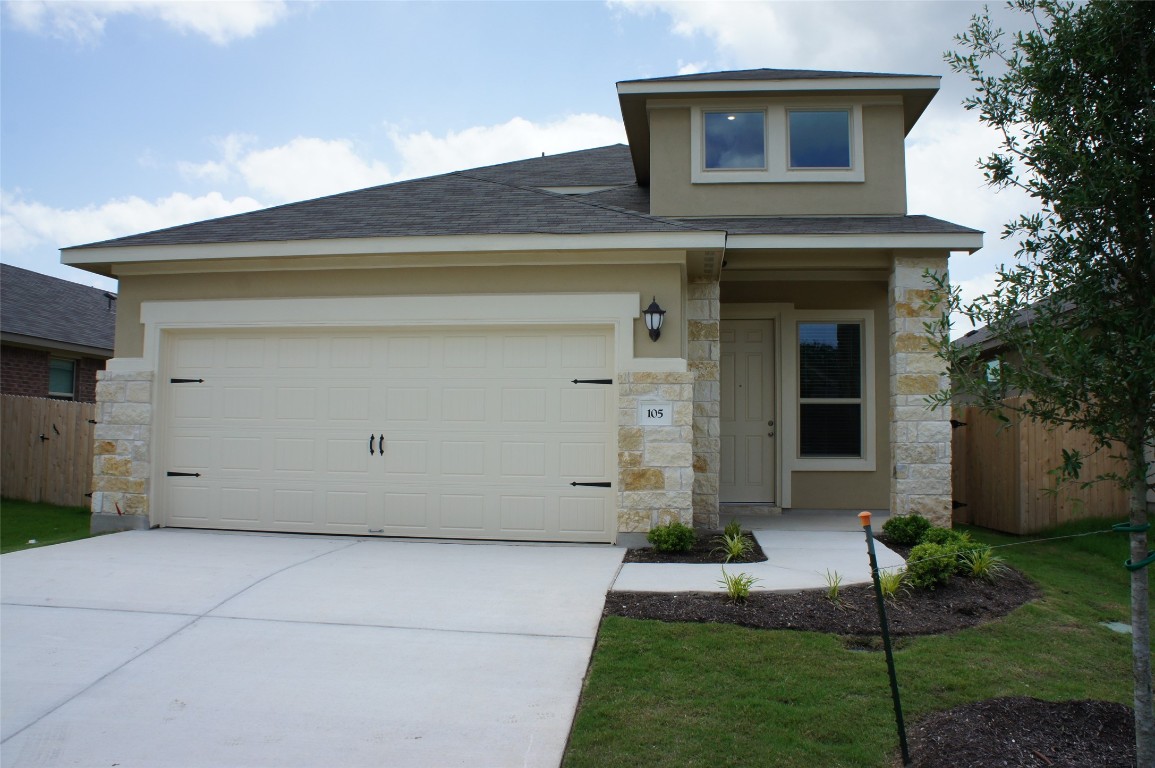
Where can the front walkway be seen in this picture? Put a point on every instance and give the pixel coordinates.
(801, 547)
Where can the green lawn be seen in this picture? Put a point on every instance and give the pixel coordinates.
(717, 695)
(21, 522)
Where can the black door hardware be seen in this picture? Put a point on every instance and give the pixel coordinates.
(371, 436)
(186, 381)
(593, 381)
(184, 474)
(593, 485)
(381, 444)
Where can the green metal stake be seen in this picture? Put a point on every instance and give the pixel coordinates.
(864, 518)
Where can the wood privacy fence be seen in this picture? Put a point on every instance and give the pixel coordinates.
(1003, 474)
(46, 450)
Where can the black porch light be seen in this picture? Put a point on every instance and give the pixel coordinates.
(654, 315)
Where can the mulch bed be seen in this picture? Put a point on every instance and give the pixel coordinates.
(997, 733)
(705, 550)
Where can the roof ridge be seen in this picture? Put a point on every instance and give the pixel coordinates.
(578, 199)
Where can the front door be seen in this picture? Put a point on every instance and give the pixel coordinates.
(747, 416)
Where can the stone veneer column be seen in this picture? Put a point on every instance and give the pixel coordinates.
(655, 473)
(120, 465)
(919, 437)
(703, 355)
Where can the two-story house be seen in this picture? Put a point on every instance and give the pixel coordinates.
(470, 355)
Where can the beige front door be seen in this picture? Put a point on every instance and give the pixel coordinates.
(747, 412)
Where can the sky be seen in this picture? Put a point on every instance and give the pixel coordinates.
(124, 117)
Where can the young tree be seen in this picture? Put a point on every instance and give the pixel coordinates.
(1073, 99)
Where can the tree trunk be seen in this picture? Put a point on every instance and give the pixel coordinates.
(1140, 617)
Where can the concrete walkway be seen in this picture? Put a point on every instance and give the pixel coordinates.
(194, 648)
(800, 547)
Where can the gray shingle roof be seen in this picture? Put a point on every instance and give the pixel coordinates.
(766, 74)
(505, 199)
(42, 307)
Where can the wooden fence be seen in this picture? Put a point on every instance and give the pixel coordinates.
(46, 450)
(1003, 475)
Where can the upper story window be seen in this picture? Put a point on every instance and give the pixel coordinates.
(819, 138)
(769, 142)
(735, 140)
(62, 378)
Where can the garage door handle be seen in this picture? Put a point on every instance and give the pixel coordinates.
(371, 438)
(381, 444)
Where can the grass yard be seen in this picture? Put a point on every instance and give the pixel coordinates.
(24, 521)
(722, 695)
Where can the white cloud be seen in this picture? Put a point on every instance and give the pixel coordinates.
(221, 21)
(28, 225)
(309, 167)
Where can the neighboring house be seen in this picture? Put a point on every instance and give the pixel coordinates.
(466, 355)
(54, 335)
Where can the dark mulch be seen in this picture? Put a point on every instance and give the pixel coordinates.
(705, 550)
(998, 733)
(1022, 731)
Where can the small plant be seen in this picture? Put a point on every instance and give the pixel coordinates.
(892, 581)
(945, 536)
(833, 585)
(982, 563)
(671, 537)
(906, 530)
(733, 528)
(930, 565)
(737, 585)
(733, 547)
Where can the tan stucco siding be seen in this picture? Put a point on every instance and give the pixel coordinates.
(882, 192)
(662, 280)
(837, 490)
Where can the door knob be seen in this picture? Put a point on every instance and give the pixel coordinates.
(770, 423)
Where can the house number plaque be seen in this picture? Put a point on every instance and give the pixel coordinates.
(652, 413)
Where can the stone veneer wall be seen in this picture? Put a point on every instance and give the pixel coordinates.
(919, 437)
(703, 355)
(120, 466)
(655, 472)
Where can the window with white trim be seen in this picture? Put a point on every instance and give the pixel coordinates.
(831, 386)
(819, 138)
(735, 140)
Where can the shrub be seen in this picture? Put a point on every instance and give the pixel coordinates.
(982, 563)
(671, 537)
(737, 585)
(905, 530)
(892, 581)
(733, 528)
(833, 585)
(930, 565)
(945, 536)
(733, 547)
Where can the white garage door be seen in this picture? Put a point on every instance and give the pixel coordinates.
(448, 433)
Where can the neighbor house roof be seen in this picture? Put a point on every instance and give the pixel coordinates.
(43, 311)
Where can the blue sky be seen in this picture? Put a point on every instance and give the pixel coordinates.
(122, 117)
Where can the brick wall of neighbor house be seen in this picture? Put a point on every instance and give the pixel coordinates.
(120, 467)
(655, 463)
(704, 354)
(919, 437)
(23, 372)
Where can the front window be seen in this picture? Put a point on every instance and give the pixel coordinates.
(62, 378)
(735, 140)
(830, 386)
(819, 138)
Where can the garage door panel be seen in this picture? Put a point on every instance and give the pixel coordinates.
(482, 432)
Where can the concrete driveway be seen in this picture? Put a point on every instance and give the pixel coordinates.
(194, 648)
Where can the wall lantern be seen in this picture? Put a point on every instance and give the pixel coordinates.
(654, 315)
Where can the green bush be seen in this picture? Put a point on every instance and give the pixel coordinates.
(906, 530)
(732, 529)
(944, 536)
(930, 565)
(671, 537)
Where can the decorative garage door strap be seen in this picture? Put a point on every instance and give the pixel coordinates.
(592, 485)
(184, 474)
(186, 381)
(593, 381)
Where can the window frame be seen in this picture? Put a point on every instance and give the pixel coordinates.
(62, 395)
(765, 141)
(790, 111)
(791, 444)
(777, 151)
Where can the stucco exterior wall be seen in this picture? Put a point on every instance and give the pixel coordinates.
(882, 192)
(661, 280)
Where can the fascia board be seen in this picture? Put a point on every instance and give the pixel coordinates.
(52, 345)
(919, 83)
(389, 245)
(939, 241)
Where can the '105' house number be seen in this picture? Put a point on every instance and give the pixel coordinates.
(655, 413)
